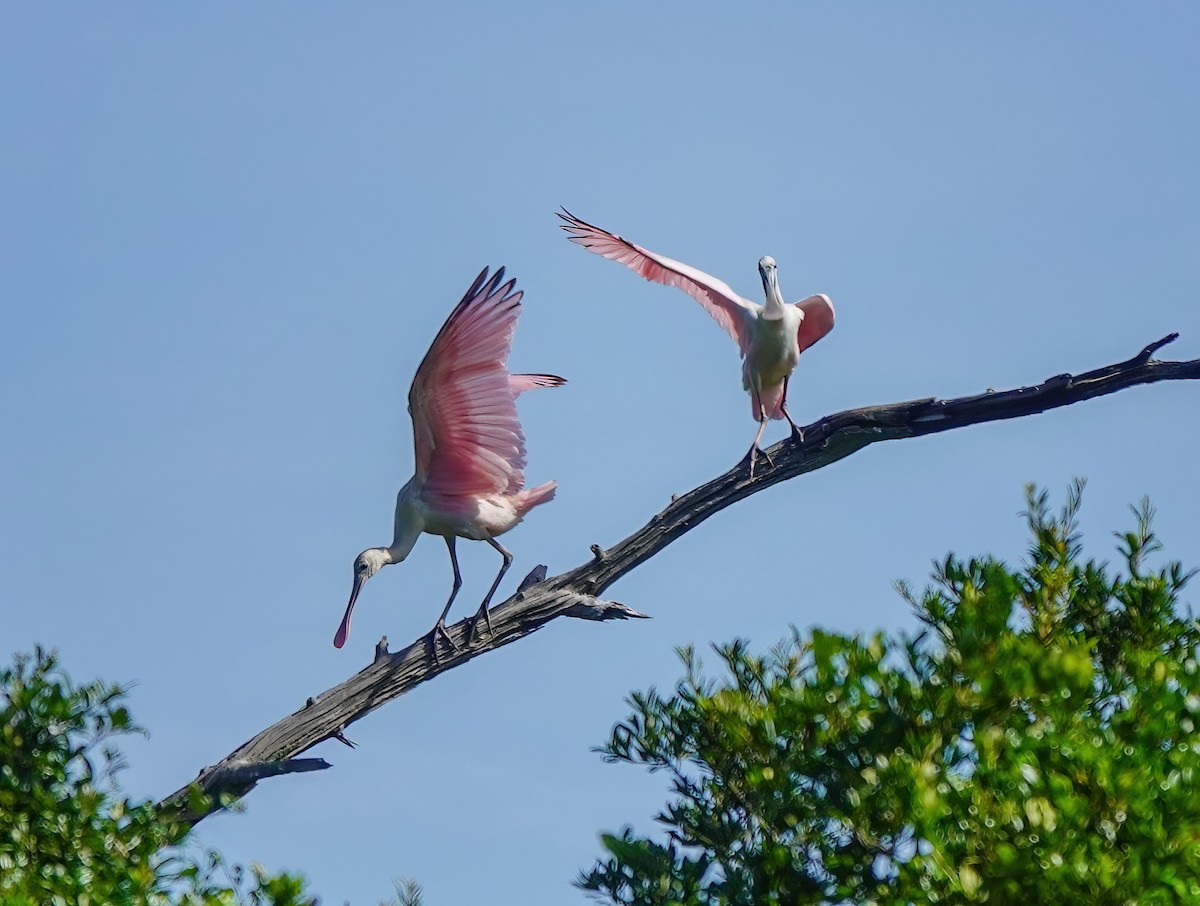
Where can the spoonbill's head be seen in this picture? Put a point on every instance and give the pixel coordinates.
(770, 279)
(768, 271)
(366, 564)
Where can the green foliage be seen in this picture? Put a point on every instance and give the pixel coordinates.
(67, 836)
(408, 893)
(1037, 742)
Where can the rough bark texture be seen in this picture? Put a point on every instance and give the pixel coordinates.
(575, 593)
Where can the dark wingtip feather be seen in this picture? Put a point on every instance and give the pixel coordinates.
(479, 281)
(496, 280)
(508, 288)
(576, 223)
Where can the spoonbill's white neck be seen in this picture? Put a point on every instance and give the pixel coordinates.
(773, 309)
(407, 527)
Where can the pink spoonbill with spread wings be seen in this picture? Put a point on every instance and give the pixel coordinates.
(470, 449)
(770, 337)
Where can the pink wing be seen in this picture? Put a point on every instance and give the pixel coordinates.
(466, 432)
(818, 319)
(729, 309)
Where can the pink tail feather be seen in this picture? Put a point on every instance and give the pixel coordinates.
(522, 382)
(543, 493)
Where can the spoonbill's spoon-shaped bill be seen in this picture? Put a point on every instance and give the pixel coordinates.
(770, 337)
(470, 449)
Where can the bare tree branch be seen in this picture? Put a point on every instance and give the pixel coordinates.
(574, 593)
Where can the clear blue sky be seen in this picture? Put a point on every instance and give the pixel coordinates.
(229, 232)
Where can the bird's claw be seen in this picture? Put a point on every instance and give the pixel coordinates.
(753, 455)
(439, 631)
(797, 434)
(487, 618)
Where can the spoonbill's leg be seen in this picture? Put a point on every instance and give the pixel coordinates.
(483, 608)
(439, 629)
(799, 435)
(755, 450)
(762, 424)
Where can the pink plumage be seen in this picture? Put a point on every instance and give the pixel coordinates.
(467, 434)
(468, 441)
(519, 383)
(717, 297)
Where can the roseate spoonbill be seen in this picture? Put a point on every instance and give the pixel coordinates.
(470, 450)
(770, 337)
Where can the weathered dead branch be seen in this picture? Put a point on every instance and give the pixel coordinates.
(575, 593)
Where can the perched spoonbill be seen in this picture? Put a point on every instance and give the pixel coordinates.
(470, 450)
(770, 337)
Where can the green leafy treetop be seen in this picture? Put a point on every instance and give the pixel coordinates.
(67, 836)
(1037, 742)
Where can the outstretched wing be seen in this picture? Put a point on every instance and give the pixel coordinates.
(818, 319)
(729, 309)
(466, 432)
